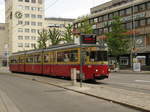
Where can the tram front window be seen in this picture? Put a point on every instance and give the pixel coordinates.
(98, 56)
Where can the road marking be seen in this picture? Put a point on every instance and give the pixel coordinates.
(141, 81)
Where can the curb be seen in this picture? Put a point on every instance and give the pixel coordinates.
(89, 94)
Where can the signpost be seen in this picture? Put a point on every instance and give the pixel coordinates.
(85, 39)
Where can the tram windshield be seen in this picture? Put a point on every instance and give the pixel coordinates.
(98, 56)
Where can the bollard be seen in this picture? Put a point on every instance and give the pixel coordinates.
(73, 76)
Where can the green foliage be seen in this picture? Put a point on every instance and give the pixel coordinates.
(68, 35)
(117, 40)
(85, 27)
(54, 36)
(43, 38)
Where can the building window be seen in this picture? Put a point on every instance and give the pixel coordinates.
(116, 14)
(96, 31)
(27, 30)
(40, 1)
(20, 44)
(33, 38)
(20, 37)
(111, 16)
(148, 21)
(33, 8)
(33, 23)
(33, 30)
(27, 23)
(40, 9)
(135, 24)
(142, 22)
(124, 61)
(27, 45)
(129, 26)
(95, 20)
(100, 19)
(33, 1)
(27, 8)
(135, 9)
(33, 45)
(19, 7)
(100, 31)
(2, 28)
(20, 30)
(122, 12)
(91, 22)
(105, 17)
(20, 22)
(148, 5)
(27, 37)
(39, 16)
(142, 7)
(27, 1)
(33, 16)
(27, 15)
(39, 23)
(105, 30)
(129, 11)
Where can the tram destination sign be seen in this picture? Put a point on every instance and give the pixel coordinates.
(88, 39)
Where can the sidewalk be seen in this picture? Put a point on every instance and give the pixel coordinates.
(4, 70)
(138, 100)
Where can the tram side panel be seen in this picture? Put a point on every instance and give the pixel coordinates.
(34, 63)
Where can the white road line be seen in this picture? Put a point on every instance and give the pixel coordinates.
(141, 81)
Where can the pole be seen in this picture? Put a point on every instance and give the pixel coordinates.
(81, 64)
(133, 36)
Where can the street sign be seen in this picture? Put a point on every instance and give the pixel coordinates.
(88, 39)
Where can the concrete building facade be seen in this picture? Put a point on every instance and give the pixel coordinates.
(4, 43)
(24, 18)
(135, 15)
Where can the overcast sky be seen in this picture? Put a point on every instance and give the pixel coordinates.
(62, 8)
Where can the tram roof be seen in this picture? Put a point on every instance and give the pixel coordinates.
(56, 47)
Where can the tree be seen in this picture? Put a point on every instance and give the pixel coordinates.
(68, 35)
(43, 38)
(85, 27)
(117, 40)
(54, 36)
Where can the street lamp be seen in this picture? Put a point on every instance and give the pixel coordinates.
(133, 35)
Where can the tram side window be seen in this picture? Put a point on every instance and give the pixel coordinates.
(67, 56)
(98, 56)
(60, 57)
(73, 55)
(46, 58)
(37, 58)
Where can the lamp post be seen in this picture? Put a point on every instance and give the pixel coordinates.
(133, 36)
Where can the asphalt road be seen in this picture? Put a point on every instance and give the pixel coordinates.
(31, 96)
(133, 82)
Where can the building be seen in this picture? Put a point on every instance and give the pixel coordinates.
(135, 15)
(24, 18)
(4, 43)
(58, 23)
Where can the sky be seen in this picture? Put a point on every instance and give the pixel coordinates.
(62, 8)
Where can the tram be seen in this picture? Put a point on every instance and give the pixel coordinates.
(60, 59)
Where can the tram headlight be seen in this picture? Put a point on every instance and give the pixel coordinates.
(109, 70)
(96, 70)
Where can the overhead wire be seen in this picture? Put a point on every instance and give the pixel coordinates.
(51, 4)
